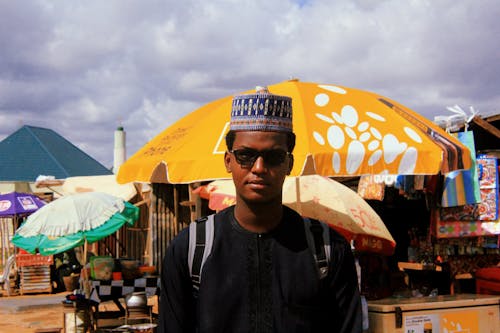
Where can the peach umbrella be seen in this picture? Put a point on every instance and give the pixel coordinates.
(324, 199)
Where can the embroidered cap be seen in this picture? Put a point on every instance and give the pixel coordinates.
(261, 111)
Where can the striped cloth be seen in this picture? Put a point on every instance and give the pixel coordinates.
(462, 187)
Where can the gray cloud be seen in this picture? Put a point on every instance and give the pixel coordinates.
(84, 68)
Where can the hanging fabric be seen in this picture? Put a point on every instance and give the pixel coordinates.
(456, 229)
(462, 187)
(460, 213)
(369, 189)
(488, 183)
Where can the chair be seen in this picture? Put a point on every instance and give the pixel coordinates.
(139, 313)
(109, 317)
(137, 308)
(5, 278)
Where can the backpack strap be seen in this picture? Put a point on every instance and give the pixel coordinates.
(318, 239)
(201, 237)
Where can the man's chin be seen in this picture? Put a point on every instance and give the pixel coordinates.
(261, 200)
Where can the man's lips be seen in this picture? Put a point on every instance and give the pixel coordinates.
(257, 184)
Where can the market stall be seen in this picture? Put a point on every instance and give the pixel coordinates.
(448, 248)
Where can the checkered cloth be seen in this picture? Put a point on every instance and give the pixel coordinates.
(120, 288)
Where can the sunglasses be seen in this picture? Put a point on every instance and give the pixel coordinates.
(246, 157)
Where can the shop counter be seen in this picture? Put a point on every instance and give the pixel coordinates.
(469, 313)
(418, 266)
(427, 277)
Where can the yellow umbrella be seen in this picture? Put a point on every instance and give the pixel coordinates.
(340, 132)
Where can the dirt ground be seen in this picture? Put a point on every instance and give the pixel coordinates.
(27, 319)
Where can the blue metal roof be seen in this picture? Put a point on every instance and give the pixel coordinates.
(33, 151)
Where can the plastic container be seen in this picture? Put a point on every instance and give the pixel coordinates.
(71, 282)
(101, 267)
(130, 269)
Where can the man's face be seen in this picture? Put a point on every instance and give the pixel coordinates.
(262, 180)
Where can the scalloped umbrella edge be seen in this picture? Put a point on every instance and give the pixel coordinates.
(48, 245)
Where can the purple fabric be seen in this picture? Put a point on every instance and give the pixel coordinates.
(15, 203)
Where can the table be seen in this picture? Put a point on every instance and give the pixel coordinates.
(114, 290)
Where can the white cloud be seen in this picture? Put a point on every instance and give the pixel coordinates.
(94, 65)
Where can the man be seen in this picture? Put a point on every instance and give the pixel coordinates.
(261, 275)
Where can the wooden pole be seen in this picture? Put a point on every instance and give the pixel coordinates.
(85, 249)
(176, 212)
(297, 195)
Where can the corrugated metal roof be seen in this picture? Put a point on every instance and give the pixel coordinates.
(33, 151)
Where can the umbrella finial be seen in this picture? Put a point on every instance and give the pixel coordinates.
(261, 90)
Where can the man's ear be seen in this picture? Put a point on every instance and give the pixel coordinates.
(290, 164)
(227, 161)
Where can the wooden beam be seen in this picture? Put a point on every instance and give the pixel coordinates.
(486, 126)
(47, 183)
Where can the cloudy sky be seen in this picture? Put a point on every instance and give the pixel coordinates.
(83, 68)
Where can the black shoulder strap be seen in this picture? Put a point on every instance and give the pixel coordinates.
(201, 235)
(318, 238)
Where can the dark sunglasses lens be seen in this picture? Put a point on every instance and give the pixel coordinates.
(247, 157)
(274, 157)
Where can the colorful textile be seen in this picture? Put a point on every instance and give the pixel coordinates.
(488, 184)
(462, 187)
(410, 185)
(369, 189)
(488, 208)
(454, 229)
(460, 213)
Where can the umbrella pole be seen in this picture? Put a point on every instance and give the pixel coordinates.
(85, 248)
(297, 195)
(85, 271)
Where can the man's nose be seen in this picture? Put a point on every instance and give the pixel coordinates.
(259, 165)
